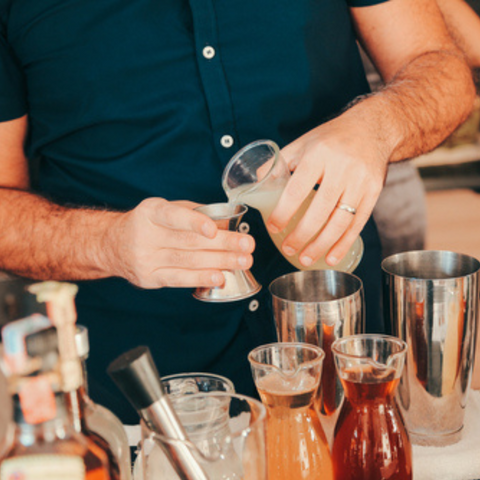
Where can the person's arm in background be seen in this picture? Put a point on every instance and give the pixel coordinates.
(157, 244)
(464, 26)
(429, 91)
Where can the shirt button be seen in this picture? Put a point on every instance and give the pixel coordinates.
(226, 141)
(253, 305)
(208, 52)
(244, 227)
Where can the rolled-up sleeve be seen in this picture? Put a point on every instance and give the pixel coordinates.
(13, 102)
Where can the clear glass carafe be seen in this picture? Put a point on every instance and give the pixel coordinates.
(370, 440)
(225, 431)
(257, 176)
(287, 376)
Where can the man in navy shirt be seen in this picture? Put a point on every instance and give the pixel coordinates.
(130, 110)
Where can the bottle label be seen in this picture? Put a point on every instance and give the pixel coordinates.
(43, 467)
(37, 400)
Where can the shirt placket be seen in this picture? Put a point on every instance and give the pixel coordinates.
(214, 82)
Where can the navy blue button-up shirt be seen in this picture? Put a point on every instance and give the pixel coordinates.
(132, 99)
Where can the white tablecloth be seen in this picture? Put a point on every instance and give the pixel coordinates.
(460, 461)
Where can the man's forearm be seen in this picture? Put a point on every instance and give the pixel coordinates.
(464, 26)
(419, 108)
(41, 240)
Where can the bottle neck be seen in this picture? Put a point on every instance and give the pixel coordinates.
(77, 401)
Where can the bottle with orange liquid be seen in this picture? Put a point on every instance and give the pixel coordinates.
(45, 443)
(287, 376)
(370, 440)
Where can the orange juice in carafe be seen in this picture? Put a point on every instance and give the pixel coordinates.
(287, 378)
(296, 443)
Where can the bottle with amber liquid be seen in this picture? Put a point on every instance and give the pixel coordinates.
(93, 421)
(45, 443)
(102, 424)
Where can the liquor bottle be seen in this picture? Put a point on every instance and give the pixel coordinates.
(93, 421)
(97, 420)
(45, 443)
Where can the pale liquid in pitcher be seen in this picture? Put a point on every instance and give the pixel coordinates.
(296, 444)
(265, 202)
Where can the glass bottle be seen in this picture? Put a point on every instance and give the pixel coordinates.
(257, 176)
(287, 376)
(93, 419)
(59, 298)
(370, 440)
(45, 443)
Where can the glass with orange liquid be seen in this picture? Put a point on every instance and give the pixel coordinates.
(287, 376)
(370, 440)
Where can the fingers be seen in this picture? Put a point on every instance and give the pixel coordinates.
(175, 215)
(164, 244)
(341, 225)
(317, 215)
(298, 188)
(223, 240)
(340, 232)
(201, 260)
(180, 278)
(343, 245)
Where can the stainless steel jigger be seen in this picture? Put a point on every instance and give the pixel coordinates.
(239, 284)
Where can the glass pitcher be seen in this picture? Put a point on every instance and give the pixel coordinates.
(370, 440)
(225, 431)
(257, 176)
(287, 376)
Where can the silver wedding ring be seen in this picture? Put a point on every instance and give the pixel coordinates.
(347, 208)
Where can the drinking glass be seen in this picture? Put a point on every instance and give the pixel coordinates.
(257, 176)
(370, 440)
(287, 376)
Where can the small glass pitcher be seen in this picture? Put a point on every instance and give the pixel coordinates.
(225, 431)
(257, 176)
(370, 440)
(287, 376)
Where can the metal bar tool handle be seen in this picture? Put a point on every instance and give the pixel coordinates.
(136, 375)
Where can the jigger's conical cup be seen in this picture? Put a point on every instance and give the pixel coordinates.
(239, 284)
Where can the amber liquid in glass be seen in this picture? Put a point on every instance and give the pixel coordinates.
(296, 444)
(327, 403)
(77, 406)
(371, 442)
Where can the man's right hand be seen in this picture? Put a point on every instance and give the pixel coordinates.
(168, 244)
